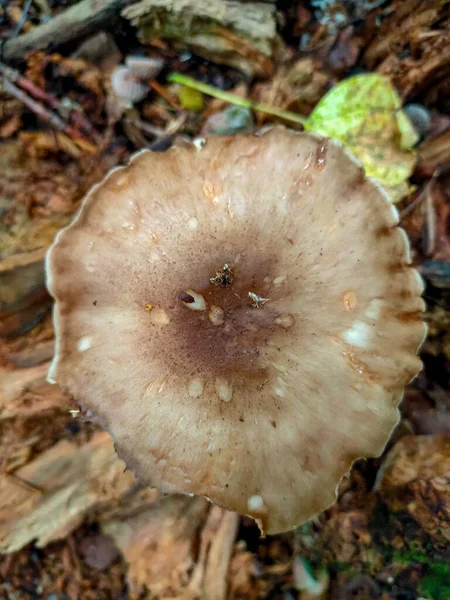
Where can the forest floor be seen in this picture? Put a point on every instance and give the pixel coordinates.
(73, 524)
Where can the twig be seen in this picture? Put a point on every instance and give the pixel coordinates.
(17, 78)
(48, 116)
(164, 94)
(209, 90)
(23, 19)
(78, 21)
(34, 106)
(158, 132)
(422, 196)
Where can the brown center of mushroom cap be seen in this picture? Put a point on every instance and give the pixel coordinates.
(229, 336)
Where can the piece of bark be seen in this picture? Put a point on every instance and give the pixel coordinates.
(209, 580)
(433, 154)
(24, 392)
(79, 21)
(32, 354)
(403, 22)
(159, 544)
(412, 48)
(23, 297)
(241, 35)
(49, 497)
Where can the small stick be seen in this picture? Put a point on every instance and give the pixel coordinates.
(209, 90)
(76, 22)
(165, 94)
(27, 85)
(54, 120)
(23, 18)
(34, 106)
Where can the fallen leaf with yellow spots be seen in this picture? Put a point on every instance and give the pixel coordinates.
(364, 113)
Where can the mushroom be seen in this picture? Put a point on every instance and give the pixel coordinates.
(260, 406)
(127, 86)
(144, 67)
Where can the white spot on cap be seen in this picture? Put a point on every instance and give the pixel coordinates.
(162, 463)
(128, 225)
(195, 387)
(84, 344)
(216, 315)
(358, 335)
(224, 389)
(279, 390)
(255, 503)
(199, 302)
(279, 280)
(193, 223)
(285, 321)
(373, 311)
(159, 316)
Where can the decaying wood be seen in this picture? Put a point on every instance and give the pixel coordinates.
(415, 477)
(434, 154)
(412, 47)
(241, 35)
(24, 392)
(78, 21)
(23, 296)
(49, 497)
(216, 549)
(159, 544)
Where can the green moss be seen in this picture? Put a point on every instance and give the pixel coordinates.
(411, 556)
(436, 584)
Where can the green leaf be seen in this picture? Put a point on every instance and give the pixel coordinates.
(364, 113)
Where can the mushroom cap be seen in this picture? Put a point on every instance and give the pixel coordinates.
(144, 67)
(260, 405)
(127, 85)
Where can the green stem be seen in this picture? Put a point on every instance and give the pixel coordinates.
(209, 90)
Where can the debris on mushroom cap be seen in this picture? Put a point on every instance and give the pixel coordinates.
(262, 411)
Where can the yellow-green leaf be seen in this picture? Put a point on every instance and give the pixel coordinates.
(364, 113)
(190, 99)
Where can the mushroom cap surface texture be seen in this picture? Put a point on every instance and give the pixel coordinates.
(241, 316)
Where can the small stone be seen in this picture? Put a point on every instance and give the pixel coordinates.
(235, 119)
(419, 117)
